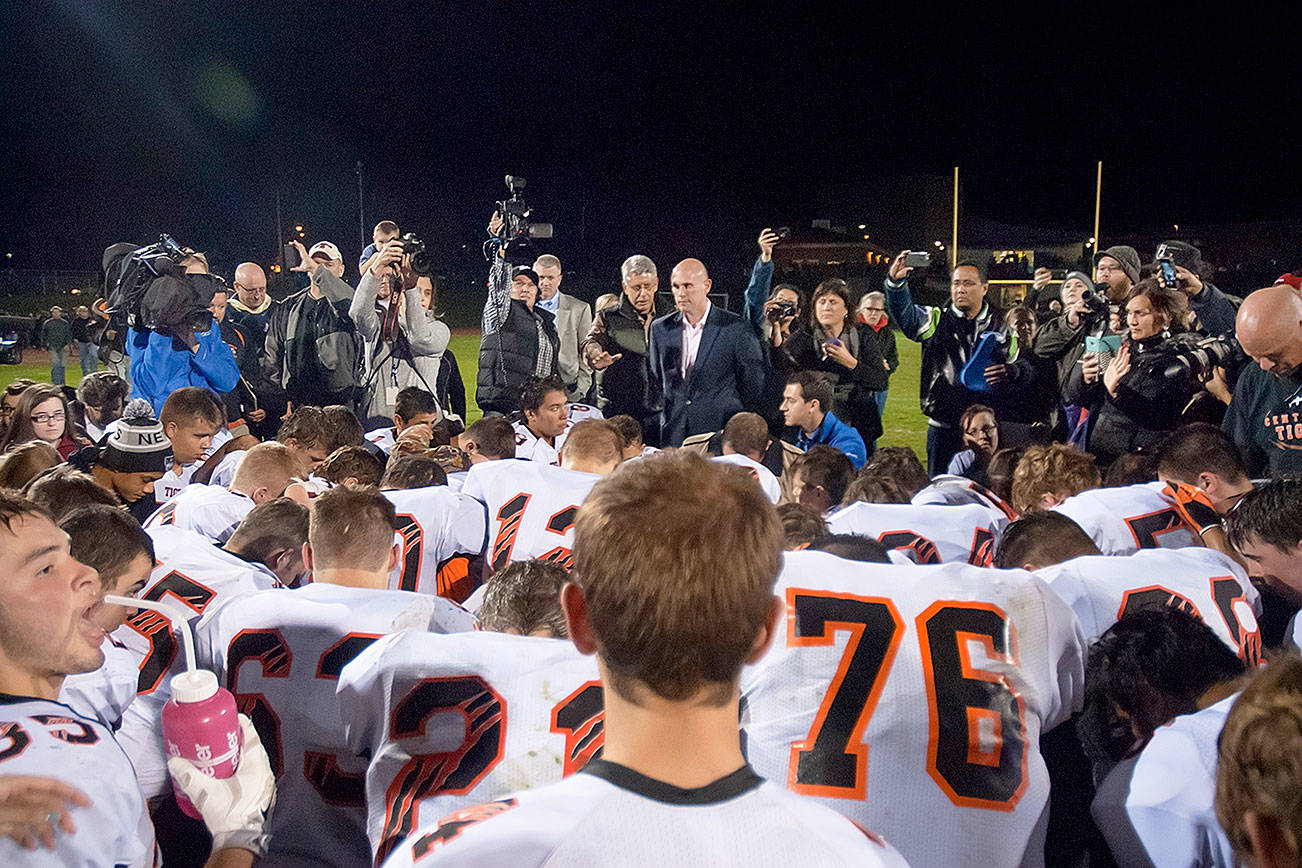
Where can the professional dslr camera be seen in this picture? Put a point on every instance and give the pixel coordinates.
(421, 259)
(517, 229)
(1199, 356)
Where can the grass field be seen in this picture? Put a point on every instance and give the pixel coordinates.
(904, 423)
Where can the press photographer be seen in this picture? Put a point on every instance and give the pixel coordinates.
(1143, 391)
(519, 339)
(402, 341)
(161, 294)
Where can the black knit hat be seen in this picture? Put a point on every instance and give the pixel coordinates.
(526, 271)
(137, 444)
(1180, 253)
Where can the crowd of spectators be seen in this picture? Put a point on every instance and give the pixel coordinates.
(1064, 603)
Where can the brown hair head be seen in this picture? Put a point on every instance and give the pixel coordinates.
(63, 489)
(676, 556)
(107, 539)
(351, 528)
(1057, 469)
(525, 598)
(1260, 764)
(24, 462)
(352, 462)
(747, 433)
(20, 426)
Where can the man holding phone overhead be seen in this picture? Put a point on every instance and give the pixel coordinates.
(969, 354)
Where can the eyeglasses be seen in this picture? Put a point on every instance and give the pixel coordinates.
(874, 310)
(989, 429)
(46, 418)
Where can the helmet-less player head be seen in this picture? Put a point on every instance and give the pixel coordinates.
(592, 446)
(525, 599)
(48, 604)
(350, 539)
(1048, 475)
(720, 540)
(1042, 539)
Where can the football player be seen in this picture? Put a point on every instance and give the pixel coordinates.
(213, 512)
(544, 420)
(531, 506)
(1257, 782)
(307, 435)
(673, 786)
(820, 477)
(1157, 694)
(1203, 455)
(745, 440)
(110, 542)
(912, 699)
(194, 575)
(926, 534)
(441, 529)
(451, 721)
(192, 418)
(48, 630)
(281, 651)
(414, 406)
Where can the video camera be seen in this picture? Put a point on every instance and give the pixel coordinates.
(144, 289)
(517, 229)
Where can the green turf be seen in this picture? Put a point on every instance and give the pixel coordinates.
(904, 424)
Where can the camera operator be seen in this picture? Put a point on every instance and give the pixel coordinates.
(518, 338)
(1214, 309)
(311, 348)
(834, 343)
(616, 347)
(1144, 390)
(183, 346)
(403, 342)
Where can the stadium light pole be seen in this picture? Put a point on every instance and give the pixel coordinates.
(953, 242)
(1098, 199)
(361, 207)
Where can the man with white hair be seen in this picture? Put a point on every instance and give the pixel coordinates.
(616, 345)
(573, 320)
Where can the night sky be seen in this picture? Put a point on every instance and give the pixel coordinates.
(674, 130)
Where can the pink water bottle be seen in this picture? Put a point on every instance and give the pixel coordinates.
(200, 723)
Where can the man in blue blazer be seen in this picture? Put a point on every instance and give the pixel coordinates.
(705, 360)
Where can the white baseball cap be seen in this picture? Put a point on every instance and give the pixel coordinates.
(328, 249)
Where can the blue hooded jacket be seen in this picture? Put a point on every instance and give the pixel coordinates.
(158, 370)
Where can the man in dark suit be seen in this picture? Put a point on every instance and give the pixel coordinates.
(706, 360)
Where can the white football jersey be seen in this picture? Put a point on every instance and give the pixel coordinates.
(610, 815)
(452, 721)
(194, 575)
(764, 476)
(435, 523)
(530, 447)
(208, 510)
(948, 489)
(579, 412)
(174, 481)
(531, 509)
(1123, 520)
(382, 439)
(1158, 808)
(224, 475)
(280, 652)
(48, 739)
(912, 699)
(1201, 581)
(105, 693)
(927, 534)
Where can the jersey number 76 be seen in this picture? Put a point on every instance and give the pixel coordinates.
(977, 744)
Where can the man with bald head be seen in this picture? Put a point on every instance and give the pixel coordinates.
(249, 309)
(1265, 414)
(705, 360)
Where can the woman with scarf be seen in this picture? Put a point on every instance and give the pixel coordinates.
(848, 351)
